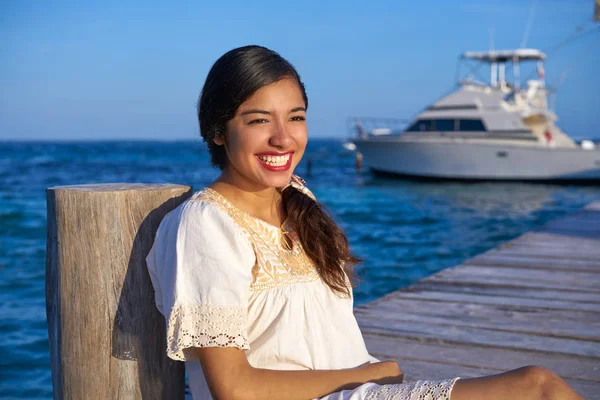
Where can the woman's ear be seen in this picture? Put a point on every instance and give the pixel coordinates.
(219, 140)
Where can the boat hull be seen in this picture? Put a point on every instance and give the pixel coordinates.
(464, 160)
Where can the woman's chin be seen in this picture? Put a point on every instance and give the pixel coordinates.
(278, 181)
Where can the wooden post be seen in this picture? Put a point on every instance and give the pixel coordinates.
(107, 339)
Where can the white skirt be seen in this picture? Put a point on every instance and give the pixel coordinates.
(419, 390)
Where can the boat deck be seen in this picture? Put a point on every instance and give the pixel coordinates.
(532, 301)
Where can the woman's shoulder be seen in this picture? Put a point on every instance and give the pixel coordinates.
(203, 204)
(203, 212)
(198, 226)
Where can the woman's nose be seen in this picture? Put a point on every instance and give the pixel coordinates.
(280, 136)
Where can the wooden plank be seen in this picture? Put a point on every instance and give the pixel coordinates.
(496, 311)
(539, 254)
(564, 259)
(480, 356)
(551, 237)
(548, 304)
(517, 277)
(572, 280)
(375, 324)
(492, 307)
(583, 235)
(502, 259)
(595, 206)
(421, 370)
(552, 240)
(561, 251)
(565, 249)
(543, 237)
(546, 323)
(507, 291)
(552, 251)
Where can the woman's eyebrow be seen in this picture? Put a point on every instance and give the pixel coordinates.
(255, 111)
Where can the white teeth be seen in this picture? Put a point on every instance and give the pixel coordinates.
(276, 161)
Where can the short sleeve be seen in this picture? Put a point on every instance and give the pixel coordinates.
(201, 268)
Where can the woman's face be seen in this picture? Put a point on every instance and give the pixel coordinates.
(266, 138)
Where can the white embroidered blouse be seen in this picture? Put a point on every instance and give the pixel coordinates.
(223, 278)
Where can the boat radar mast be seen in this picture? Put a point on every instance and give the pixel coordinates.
(499, 58)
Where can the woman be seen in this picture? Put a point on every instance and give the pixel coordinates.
(253, 277)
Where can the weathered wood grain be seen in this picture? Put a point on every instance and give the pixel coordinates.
(507, 259)
(564, 252)
(508, 291)
(501, 301)
(547, 238)
(557, 323)
(517, 277)
(107, 339)
(399, 348)
(376, 324)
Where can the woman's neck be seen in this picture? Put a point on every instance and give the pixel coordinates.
(263, 203)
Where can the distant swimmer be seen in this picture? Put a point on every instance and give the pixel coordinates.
(359, 160)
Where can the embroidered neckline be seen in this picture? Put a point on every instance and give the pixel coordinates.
(239, 210)
(276, 265)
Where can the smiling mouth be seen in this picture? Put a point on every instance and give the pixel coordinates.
(275, 161)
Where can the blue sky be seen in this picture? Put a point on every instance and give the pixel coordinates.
(133, 70)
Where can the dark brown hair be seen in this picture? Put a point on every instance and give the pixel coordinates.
(234, 78)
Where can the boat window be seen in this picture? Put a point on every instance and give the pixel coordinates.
(432, 125)
(447, 125)
(444, 125)
(471, 125)
(421, 125)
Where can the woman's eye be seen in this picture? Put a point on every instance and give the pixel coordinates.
(257, 121)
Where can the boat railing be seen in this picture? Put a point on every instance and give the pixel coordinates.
(375, 126)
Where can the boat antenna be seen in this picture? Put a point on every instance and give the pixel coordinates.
(580, 30)
(491, 25)
(494, 65)
(570, 67)
(577, 34)
(529, 23)
(587, 52)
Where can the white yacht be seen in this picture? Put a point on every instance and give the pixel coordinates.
(484, 131)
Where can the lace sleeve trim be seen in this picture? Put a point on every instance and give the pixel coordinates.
(205, 326)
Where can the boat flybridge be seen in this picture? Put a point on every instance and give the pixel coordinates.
(484, 131)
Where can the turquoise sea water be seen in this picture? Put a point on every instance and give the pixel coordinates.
(404, 230)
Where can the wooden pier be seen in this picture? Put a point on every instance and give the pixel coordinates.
(532, 301)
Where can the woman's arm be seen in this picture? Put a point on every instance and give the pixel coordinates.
(231, 377)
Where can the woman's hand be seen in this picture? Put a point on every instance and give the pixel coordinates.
(385, 372)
